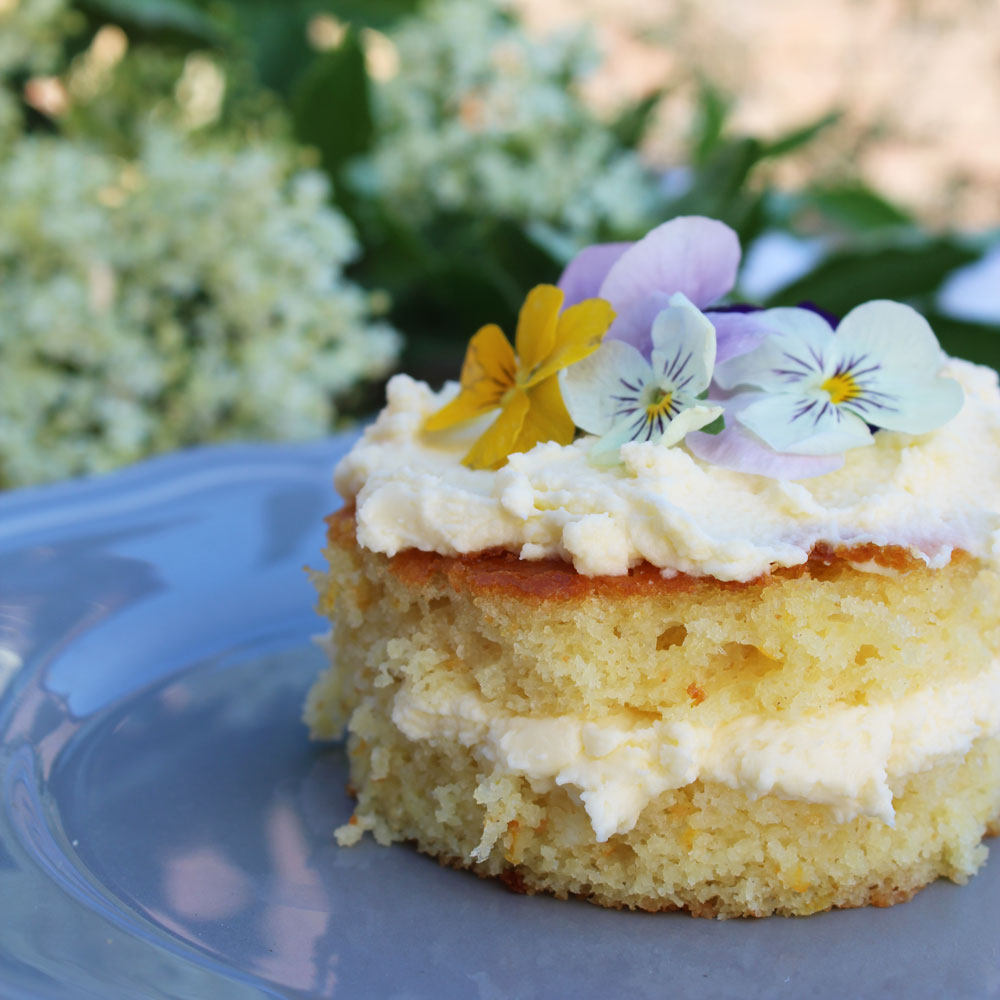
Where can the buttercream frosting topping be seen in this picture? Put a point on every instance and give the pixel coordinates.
(929, 494)
(848, 758)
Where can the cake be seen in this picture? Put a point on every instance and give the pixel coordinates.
(676, 661)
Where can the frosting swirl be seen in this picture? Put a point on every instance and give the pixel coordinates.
(929, 494)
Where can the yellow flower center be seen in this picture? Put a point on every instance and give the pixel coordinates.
(659, 406)
(842, 388)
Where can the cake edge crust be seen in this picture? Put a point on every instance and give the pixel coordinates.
(498, 571)
(521, 881)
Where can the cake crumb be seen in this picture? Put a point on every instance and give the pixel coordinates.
(695, 693)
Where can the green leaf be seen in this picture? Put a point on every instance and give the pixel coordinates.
(979, 342)
(720, 189)
(713, 111)
(632, 123)
(855, 206)
(528, 261)
(726, 172)
(800, 137)
(277, 39)
(179, 19)
(717, 426)
(899, 271)
(373, 13)
(276, 34)
(331, 104)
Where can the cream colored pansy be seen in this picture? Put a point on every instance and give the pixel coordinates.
(620, 396)
(819, 392)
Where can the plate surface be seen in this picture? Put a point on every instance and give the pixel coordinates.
(165, 825)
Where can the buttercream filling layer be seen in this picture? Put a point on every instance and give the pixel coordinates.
(848, 758)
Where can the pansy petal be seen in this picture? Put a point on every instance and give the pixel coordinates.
(737, 449)
(488, 372)
(634, 326)
(605, 449)
(635, 428)
(605, 387)
(578, 334)
(536, 327)
(891, 353)
(795, 352)
(683, 347)
(689, 254)
(465, 406)
(901, 404)
(491, 449)
(546, 419)
(799, 323)
(736, 333)
(584, 273)
(804, 424)
(893, 336)
(691, 419)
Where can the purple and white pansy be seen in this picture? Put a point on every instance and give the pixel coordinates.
(820, 392)
(620, 395)
(796, 393)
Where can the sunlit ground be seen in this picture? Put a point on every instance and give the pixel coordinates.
(919, 83)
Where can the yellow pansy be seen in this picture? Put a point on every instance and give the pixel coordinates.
(522, 381)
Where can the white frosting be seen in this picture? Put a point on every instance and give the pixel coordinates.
(929, 494)
(847, 758)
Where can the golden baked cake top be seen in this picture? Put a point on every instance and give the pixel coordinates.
(632, 422)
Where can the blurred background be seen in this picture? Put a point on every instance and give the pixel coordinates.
(228, 219)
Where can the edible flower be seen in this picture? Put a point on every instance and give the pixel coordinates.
(617, 394)
(522, 381)
(820, 392)
(693, 255)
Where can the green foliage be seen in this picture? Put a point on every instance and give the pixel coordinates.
(633, 121)
(908, 270)
(721, 188)
(710, 123)
(381, 14)
(726, 181)
(472, 174)
(484, 170)
(478, 171)
(168, 21)
(275, 35)
(794, 140)
(978, 342)
(331, 105)
(854, 207)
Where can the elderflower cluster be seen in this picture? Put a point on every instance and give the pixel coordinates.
(192, 293)
(483, 118)
(31, 37)
(31, 34)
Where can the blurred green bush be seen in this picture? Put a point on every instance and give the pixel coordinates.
(219, 292)
(473, 168)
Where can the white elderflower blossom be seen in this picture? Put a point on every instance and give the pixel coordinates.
(483, 118)
(31, 36)
(195, 293)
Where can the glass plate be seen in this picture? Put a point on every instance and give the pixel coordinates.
(165, 828)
